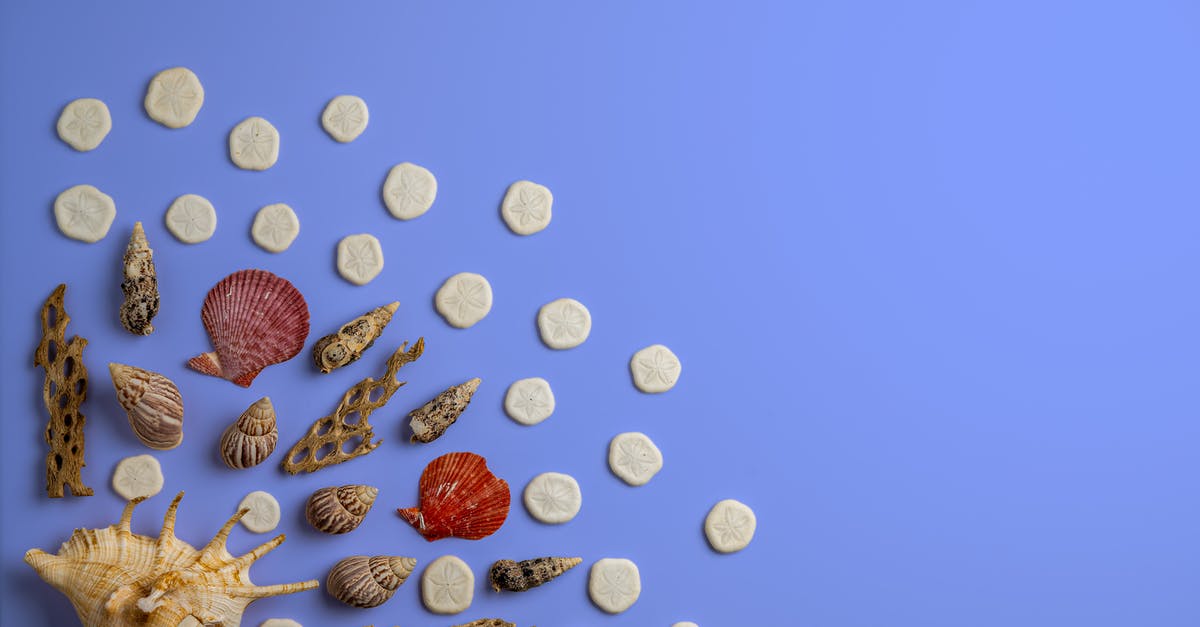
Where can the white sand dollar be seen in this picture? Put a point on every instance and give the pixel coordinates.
(84, 213)
(174, 97)
(254, 144)
(730, 526)
(409, 191)
(447, 585)
(553, 497)
(529, 401)
(526, 207)
(634, 458)
(686, 623)
(614, 584)
(655, 369)
(280, 622)
(464, 299)
(275, 227)
(564, 323)
(359, 258)
(84, 123)
(140, 475)
(264, 511)
(191, 219)
(345, 118)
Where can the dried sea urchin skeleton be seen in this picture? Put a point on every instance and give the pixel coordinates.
(116, 578)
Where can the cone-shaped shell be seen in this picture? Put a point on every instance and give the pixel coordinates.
(140, 285)
(153, 404)
(352, 340)
(254, 319)
(252, 437)
(526, 574)
(431, 420)
(460, 498)
(115, 578)
(488, 622)
(339, 509)
(363, 581)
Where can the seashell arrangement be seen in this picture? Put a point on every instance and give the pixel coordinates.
(526, 574)
(116, 578)
(349, 343)
(63, 391)
(254, 319)
(362, 581)
(153, 404)
(432, 419)
(140, 285)
(365, 397)
(252, 438)
(337, 510)
(460, 498)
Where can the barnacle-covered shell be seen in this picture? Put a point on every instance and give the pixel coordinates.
(252, 437)
(431, 420)
(526, 574)
(153, 404)
(363, 581)
(116, 578)
(140, 285)
(254, 319)
(460, 498)
(339, 509)
(352, 340)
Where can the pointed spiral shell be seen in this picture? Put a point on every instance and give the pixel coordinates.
(252, 438)
(153, 404)
(363, 581)
(339, 509)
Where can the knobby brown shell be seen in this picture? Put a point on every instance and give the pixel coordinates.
(352, 340)
(526, 574)
(431, 420)
(140, 285)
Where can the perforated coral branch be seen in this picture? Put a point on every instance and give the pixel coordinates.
(323, 444)
(63, 391)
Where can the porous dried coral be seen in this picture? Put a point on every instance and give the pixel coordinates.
(63, 390)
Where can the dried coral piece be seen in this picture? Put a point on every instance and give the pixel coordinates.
(526, 574)
(352, 340)
(140, 285)
(153, 404)
(116, 578)
(252, 437)
(341, 509)
(432, 419)
(254, 319)
(460, 498)
(63, 391)
(488, 622)
(323, 444)
(362, 581)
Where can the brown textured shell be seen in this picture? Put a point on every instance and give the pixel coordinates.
(341, 509)
(153, 404)
(140, 285)
(63, 391)
(352, 339)
(526, 574)
(363, 581)
(252, 437)
(488, 622)
(431, 420)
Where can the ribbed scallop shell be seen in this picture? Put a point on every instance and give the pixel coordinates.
(460, 498)
(339, 509)
(153, 404)
(254, 319)
(252, 437)
(363, 581)
(352, 340)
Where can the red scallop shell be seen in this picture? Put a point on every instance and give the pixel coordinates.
(254, 319)
(460, 498)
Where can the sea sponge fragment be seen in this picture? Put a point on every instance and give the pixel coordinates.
(63, 391)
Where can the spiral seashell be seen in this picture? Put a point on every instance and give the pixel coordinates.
(352, 340)
(431, 420)
(526, 574)
(488, 622)
(153, 404)
(363, 581)
(252, 438)
(140, 285)
(337, 510)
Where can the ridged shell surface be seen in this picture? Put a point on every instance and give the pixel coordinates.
(339, 509)
(459, 498)
(153, 404)
(252, 437)
(352, 340)
(363, 581)
(140, 285)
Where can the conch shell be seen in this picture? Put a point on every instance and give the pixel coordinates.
(252, 438)
(526, 574)
(116, 578)
(140, 285)
(338, 510)
(352, 340)
(153, 403)
(363, 581)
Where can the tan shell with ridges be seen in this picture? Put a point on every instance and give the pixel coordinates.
(252, 438)
(363, 581)
(353, 339)
(337, 510)
(153, 404)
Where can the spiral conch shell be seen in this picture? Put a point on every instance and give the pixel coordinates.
(363, 581)
(116, 578)
(352, 340)
(252, 438)
(338, 510)
(153, 403)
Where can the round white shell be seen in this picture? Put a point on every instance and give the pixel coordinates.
(280, 622)
(254, 144)
(730, 526)
(655, 369)
(345, 118)
(174, 97)
(359, 258)
(686, 623)
(264, 512)
(564, 323)
(140, 475)
(614, 584)
(526, 207)
(84, 123)
(464, 299)
(191, 219)
(634, 458)
(275, 227)
(84, 213)
(409, 191)
(529, 401)
(553, 497)
(447, 585)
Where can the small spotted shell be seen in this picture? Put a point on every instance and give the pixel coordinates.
(363, 581)
(252, 438)
(337, 510)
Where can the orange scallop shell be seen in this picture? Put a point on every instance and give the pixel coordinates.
(254, 319)
(460, 498)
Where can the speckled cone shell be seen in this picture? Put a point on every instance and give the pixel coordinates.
(140, 285)
(352, 340)
(254, 319)
(116, 578)
(153, 404)
(460, 498)
(252, 437)
(431, 420)
(337, 510)
(488, 622)
(526, 574)
(363, 581)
